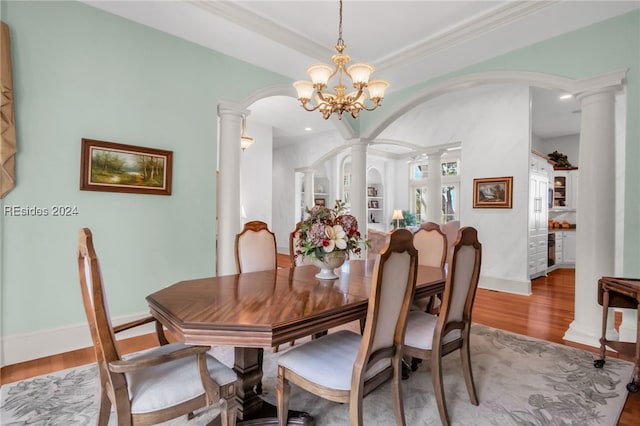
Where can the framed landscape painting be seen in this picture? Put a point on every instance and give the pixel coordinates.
(114, 167)
(493, 192)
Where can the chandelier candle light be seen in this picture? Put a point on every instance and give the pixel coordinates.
(339, 102)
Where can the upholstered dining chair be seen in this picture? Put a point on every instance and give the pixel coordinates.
(450, 229)
(431, 244)
(345, 366)
(432, 337)
(255, 248)
(154, 385)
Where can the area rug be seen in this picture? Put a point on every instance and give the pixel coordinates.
(519, 380)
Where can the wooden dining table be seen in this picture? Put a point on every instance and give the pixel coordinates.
(256, 310)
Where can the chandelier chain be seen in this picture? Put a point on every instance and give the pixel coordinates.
(340, 40)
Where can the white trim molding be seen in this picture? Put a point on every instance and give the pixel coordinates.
(505, 285)
(614, 79)
(28, 346)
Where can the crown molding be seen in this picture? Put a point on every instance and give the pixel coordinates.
(468, 30)
(241, 16)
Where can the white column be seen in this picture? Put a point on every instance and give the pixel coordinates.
(309, 189)
(434, 188)
(229, 187)
(595, 213)
(359, 184)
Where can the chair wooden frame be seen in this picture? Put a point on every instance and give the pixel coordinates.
(400, 241)
(254, 226)
(467, 237)
(112, 367)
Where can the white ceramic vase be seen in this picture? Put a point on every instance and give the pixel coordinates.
(331, 260)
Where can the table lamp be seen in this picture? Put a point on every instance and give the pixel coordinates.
(397, 216)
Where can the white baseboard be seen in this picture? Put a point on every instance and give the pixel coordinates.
(27, 346)
(505, 285)
(576, 333)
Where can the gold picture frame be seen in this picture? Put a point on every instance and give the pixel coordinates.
(114, 167)
(493, 193)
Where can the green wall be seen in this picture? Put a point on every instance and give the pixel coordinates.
(82, 73)
(611, 45)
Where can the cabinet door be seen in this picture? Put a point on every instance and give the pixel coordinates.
(565, 189)
(569, 248)
(538, 212)
(559, 237)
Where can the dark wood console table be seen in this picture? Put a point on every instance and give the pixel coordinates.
(620, 293)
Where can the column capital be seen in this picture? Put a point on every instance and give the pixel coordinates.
(610, 82)
(304, 170)
(359, 142)
(231, 108)
(436, 152)
(608, 91)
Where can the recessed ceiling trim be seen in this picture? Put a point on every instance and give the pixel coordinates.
(249, 20)
(467, 30)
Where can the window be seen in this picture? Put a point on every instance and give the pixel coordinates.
(450, 179)
(420, 207)
(420, 170)
(449, 202)
(450, 168)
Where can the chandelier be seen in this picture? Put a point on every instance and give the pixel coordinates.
(245, 141)
(340, 102)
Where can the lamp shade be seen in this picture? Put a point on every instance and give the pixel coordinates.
(246, 142)
(360, 73)
(320, 73)
(377, 88)
(304, 89)
(397, 215)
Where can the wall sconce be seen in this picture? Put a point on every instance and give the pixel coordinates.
(245, 141)
(397, 216)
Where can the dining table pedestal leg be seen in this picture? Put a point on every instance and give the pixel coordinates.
(253, 410)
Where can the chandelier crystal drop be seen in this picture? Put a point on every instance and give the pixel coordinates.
(340, 101)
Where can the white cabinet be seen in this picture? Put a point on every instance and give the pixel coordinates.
(558, 249)
(538, 225)
(375, 198)
(375, 206)
(569, 248)
(565, 185)
(321, 194)
(565, 249)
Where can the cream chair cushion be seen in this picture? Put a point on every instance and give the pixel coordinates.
(328, 361)
(420, 329)
(170, 383)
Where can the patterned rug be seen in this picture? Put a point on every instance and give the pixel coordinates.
(519, 380)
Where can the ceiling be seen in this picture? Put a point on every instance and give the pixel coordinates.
(407, 41)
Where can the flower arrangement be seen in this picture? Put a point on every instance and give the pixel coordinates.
(328, 230)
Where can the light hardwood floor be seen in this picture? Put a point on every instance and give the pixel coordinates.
(546, 314)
